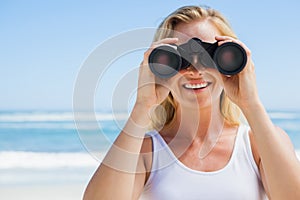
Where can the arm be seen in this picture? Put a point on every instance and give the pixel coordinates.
(119, 176)
(279, 165)
(122, 173)
(278, 162)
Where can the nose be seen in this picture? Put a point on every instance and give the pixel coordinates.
(196, 64)
(195, 70)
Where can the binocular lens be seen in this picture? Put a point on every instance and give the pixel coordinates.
(230, 58)
(164, 61)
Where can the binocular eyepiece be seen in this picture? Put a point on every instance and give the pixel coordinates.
(166, 60)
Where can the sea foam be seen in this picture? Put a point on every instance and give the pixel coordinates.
(41, 160)
(59, 116)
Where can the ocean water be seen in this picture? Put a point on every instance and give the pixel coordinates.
(47, 147)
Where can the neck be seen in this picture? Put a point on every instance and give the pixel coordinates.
(196, 124)
(197, 127)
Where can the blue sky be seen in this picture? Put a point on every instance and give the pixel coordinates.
(43, 45)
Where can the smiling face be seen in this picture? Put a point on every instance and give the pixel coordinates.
(196, 83)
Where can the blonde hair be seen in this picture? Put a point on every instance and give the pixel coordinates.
(229, 110)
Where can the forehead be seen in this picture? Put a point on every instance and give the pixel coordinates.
(202, 29)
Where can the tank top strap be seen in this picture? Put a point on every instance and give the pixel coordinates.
(161, 153)
(246, 149)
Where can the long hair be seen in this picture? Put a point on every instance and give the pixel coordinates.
(229, 110)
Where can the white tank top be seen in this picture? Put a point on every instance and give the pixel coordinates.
(170, 179)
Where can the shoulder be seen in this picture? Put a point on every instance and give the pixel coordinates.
(283, 138)
(147, 145)
(146, 151)
(254, 149)
(253, 141)
(146, 155)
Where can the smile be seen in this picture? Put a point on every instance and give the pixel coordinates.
(196, 86)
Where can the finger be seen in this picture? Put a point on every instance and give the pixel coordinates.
(223, 39)
(157, 44)
(145, 72)
(162, 92)
(166, 41)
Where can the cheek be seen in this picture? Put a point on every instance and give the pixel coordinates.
(212, 71)
(216, 74)
(171, 83)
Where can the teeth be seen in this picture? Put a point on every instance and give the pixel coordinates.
(195, 86)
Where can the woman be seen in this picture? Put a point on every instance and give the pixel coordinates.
(198, 149)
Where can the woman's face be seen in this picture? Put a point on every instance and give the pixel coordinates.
(196, 84)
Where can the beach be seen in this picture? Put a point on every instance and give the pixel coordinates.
(64, 181)
(45, 192)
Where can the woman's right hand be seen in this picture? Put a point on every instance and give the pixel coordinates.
(151, 90)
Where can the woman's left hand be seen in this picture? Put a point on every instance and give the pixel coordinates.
(241, 88)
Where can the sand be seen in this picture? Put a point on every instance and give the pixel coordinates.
(43, 192)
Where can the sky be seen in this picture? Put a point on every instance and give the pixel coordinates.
(44, 45)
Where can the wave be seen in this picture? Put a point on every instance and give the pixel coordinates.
(40, 125)
(91, 116)
(38, 160)
(288, 115)
(98, 125)
(59, 116)
(34, 160)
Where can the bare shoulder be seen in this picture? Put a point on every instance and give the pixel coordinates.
(284, 138)
(146, 152)
(254, 148)
(147, 145)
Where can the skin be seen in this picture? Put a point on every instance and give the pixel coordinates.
(128, 163)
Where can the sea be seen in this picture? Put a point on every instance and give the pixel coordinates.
(46, 147)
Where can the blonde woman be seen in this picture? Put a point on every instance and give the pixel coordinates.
(198, 148)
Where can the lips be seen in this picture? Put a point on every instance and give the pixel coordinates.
(196, 85)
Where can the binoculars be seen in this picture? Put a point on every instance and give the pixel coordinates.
(166, 60)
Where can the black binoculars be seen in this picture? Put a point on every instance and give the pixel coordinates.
(166, 60)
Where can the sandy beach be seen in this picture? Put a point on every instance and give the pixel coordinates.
(23, 184)
(43, 192)
(59, 183)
